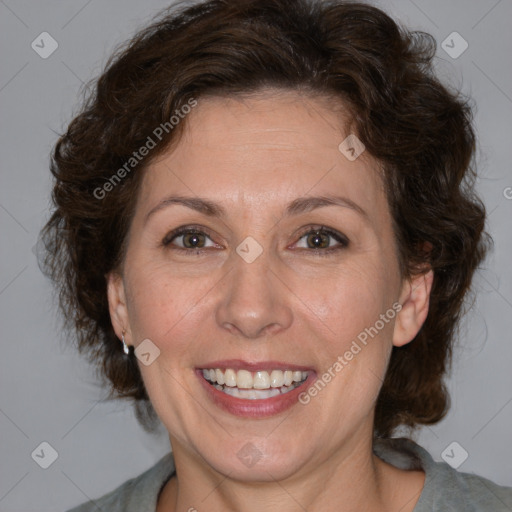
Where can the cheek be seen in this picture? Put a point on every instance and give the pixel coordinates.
(349, 299)
(163, 306)
(353, 342)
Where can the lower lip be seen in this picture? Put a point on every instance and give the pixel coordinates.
(259, 408)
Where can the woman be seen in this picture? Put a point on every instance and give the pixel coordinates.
(264, 231)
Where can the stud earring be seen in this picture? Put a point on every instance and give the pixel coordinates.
(126, 349)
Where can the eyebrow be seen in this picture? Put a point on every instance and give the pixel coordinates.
(296, 207)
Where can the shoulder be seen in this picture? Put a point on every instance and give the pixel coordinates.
(445, 488)
(138, 493)
(481, 494)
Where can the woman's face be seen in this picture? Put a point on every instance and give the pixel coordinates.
(253, 287)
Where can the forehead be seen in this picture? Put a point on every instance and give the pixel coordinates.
(263, 151)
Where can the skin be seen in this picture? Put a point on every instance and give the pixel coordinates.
(253, 156)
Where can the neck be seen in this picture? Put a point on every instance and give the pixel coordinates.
(352, 479)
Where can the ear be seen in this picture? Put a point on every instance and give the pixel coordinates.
(117, 306)
(414, 299)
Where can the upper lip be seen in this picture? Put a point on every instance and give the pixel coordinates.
(239, 364)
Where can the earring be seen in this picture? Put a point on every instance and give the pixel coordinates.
(126, 349)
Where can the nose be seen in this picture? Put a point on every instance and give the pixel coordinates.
(254, 301)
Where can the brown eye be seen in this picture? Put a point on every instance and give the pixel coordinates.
(187, 239)
(318, 240)
(322, 241)
(193, 240)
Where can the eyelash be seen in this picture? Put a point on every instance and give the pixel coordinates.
(341, 239)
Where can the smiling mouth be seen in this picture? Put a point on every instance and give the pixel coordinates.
(257, 385)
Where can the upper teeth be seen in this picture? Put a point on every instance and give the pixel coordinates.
(256, 380)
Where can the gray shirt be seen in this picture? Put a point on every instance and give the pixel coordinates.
(445, 489)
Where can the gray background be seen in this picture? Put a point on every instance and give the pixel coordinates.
(48, 393)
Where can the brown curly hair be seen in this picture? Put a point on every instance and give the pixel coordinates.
(414, 126)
